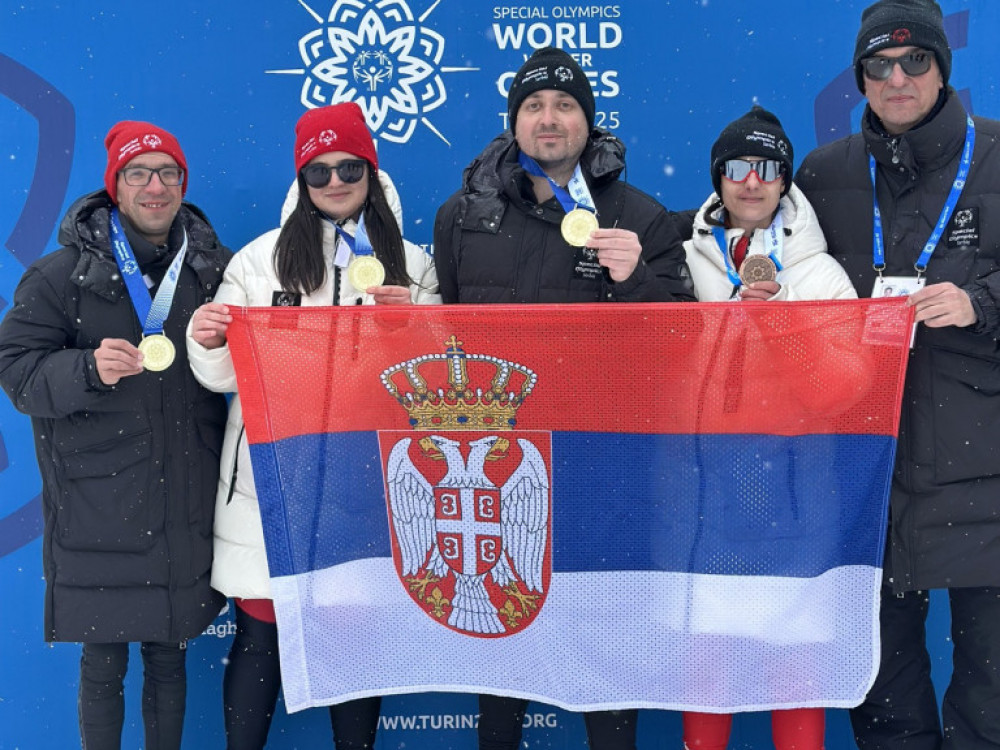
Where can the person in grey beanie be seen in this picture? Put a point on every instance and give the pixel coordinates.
(906, 207)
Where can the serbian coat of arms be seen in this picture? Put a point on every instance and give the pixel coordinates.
(468, 496)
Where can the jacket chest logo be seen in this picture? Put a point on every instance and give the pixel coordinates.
(963, 231)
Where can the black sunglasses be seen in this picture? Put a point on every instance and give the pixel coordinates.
(880, 68)
(348, 171)
(738, 170)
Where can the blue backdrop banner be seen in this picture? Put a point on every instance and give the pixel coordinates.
(231, 79)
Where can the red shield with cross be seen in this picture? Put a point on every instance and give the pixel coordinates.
(468, 528)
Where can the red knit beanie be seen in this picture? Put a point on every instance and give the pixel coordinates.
(339, 127)
(127, 139)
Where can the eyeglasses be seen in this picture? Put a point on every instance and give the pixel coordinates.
(142, 176)
(880, 68)
(738, 170)
(348, 171)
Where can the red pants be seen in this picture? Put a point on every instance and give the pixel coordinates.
(795, 729)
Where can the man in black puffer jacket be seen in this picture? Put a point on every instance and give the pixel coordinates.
(127, 440)
(543, 218)
(945, 499)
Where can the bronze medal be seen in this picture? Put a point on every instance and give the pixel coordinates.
(365, 271)
(157, 352)
(577, 225)
(758, 268)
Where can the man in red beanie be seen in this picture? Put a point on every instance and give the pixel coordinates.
(127, 440)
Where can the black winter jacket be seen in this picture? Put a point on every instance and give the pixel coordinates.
(492, 243)
(945, 500)
(129, 472)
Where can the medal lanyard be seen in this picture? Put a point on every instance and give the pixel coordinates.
(878, 244)
(152, 312)
(576, 194)
(774, 247)
(359, 243)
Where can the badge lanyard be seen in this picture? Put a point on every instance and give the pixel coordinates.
(774, 248)
(576, 194)
(152, 312)
(359, 244)
(878, 244)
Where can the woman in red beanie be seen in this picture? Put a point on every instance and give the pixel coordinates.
(342, 235)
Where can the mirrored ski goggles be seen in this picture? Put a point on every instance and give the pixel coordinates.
(738, 170)
(880, 68)
(348, 171)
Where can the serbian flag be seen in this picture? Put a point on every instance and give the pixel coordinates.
(677, 506)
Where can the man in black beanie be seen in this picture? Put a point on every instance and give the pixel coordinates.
(542, 217)
(931, 175)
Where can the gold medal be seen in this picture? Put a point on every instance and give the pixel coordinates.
(157, 352)
(365, 271)
(577, 226)
(758, 268)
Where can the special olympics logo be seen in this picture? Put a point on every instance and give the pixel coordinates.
(327, 137)
(564, 74)
(375, 53)
(152, 140)
(901, 36)
(372, 69)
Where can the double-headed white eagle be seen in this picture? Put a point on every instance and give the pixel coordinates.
(524, 509)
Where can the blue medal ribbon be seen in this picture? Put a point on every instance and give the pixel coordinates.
(878, 243)
(359, 243)
(575, 195)
(152, 312)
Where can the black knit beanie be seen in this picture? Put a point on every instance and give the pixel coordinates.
(550, 68)
(757, 133)
(902, 23)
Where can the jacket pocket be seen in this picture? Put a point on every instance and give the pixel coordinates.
(108, 497)
(965, 391)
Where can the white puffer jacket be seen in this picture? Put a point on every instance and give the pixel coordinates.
(808, 271)
(240, 565)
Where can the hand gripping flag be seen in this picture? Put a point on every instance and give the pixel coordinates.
(595, 506)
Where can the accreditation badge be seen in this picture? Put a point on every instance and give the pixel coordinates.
(897, 286)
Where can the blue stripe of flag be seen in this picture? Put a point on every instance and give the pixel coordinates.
(718, 504)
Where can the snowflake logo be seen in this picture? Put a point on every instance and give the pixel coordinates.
(375, 53)
(151, 140)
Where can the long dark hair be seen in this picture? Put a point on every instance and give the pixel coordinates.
(298, 253)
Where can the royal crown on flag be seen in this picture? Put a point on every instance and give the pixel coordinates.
(459, 391)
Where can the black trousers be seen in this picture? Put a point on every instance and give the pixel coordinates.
(501, 721)
(101, 701)
(901, 709)
(250, 693)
